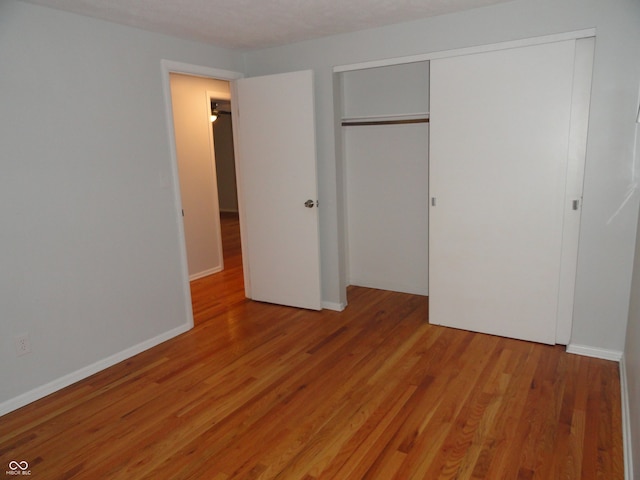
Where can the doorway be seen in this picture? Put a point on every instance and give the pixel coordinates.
(227, 245)
(385, 140)
(206, 167)
(197, 170)
(288, 102)
(229, 281)
(223, 151)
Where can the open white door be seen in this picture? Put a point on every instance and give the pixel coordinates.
(276, 164)
(500, 135)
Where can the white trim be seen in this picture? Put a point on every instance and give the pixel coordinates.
(71, 378)
(237, 153)
(205, 273)
(198, 70)
(177, 198)
(338, 307)
(624, 398)
(626, 422)
(558, 37)
(594, 352)
(214, 180)
(576, 157)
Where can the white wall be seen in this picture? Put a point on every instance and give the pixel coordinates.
(198, 185)
(610, 206)
(386, 91)
(387, 198)
(90, 264)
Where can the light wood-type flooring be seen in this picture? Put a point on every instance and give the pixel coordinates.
(259, 391)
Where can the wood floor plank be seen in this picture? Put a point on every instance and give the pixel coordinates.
(507, 436)
(259, 391)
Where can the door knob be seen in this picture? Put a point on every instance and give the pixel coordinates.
(309, 203)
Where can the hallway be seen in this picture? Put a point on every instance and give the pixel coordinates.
(215, 293)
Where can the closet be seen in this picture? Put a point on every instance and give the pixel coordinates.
(507, 159)
(385, 134)
(479, 205)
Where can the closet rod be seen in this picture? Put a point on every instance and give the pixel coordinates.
(359, 123)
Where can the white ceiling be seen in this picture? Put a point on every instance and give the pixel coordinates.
(248, 24)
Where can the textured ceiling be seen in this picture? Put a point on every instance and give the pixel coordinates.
(249, 24)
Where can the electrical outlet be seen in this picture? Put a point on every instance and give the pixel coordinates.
(23, 344)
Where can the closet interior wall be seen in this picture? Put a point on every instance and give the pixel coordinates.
(385, 138)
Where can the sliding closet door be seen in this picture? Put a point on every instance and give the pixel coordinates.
(498, 168)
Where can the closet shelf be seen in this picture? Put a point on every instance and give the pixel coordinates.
(386, 119)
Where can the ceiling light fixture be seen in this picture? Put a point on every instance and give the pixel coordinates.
(214, 112)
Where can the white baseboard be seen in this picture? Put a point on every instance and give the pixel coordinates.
(626, 422)
(587, 351)
(204, 273)
(624, 397)
(62, 382)
(338, 307)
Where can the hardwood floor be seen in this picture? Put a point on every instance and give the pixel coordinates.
(259, 391)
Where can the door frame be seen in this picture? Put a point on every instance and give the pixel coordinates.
(168, 67)
(209, 95)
